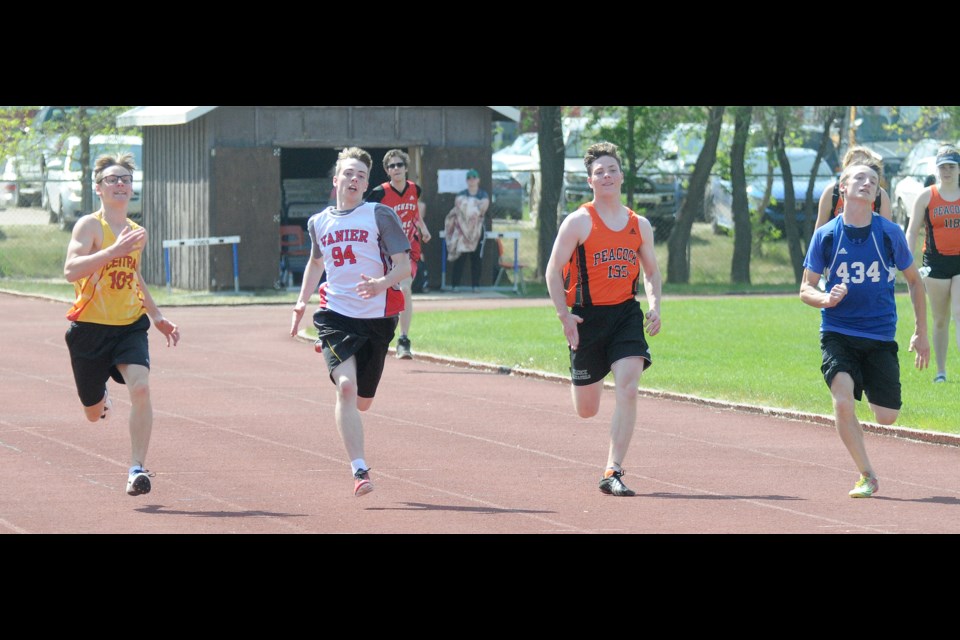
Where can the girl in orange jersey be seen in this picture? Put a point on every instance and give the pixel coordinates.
(831, 201)
(938, 210)
(599, 256)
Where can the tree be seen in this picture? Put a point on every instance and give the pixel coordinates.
(830, 116)
(678, 265)
(637, 132)
(550, 143)
(790, 225)
(743, 229)
(47, 136)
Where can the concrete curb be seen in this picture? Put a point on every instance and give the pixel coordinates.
(905, 433)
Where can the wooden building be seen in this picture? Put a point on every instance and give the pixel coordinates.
(247, 171)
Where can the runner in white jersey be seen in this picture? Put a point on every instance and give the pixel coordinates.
(365, 253)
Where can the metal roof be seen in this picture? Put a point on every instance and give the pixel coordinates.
(156, 116)
(151, 116)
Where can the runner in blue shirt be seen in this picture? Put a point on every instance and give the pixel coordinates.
(858, 253)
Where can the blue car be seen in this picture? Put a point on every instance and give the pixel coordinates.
(718, 199)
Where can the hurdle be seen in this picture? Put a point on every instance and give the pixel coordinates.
(202, 242)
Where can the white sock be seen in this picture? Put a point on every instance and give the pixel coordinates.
(358, 464)
(135, 469)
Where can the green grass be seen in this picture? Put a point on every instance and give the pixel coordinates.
(32, 251)
(757, 350)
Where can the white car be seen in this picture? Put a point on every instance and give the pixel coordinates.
(918, 169)
(63, 191)
(20, 182)
(519, 159)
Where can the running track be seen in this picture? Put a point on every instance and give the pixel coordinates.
(244, 442)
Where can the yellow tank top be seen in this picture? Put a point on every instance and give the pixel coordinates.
(112, 294)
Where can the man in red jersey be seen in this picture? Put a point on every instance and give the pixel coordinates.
(404, 197)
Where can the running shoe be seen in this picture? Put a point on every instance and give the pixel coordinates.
(403, 348)
(362, 485)
(612, 485)
(138, 482)
(866, 486)
(107, 405)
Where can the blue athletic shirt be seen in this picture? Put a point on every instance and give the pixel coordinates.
(866, 259)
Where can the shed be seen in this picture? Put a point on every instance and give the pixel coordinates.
(213, 171)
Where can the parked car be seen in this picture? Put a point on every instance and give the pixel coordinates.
(873, 130)
(62, 193)
(506, 201)
(719, 197)
(919, 165)
(49, 128)
(519, 159)
(20, 183)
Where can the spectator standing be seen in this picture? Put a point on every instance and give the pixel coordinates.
(405, 198)
(464, 230)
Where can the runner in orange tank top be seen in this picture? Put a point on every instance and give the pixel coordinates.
(601, 252)
(937, 210)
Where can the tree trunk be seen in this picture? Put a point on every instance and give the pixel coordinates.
(550, 141)
(630, 156)
(678, 265)
(743, 229)
(790, 225)
(809, 206)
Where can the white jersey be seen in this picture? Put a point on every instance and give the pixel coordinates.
(355, 243)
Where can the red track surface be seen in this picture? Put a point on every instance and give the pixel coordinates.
(244, 442)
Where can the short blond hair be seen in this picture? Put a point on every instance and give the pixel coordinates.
(864, 156)
(354, 153)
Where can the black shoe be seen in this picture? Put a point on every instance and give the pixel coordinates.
(403, 348)
(612, 485)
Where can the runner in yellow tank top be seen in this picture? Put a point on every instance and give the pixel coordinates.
(107, 337)
(597, 258)
(112, 294)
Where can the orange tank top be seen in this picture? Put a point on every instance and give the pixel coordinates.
(942, 225)
(112, 294)
(605, 269)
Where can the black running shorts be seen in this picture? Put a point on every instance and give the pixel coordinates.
(97, 349)
(366, 339)
(608, 333)
(942, 267)
(873, 365)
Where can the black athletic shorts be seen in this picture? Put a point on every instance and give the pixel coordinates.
(873, 365)
(97, 349)
(608, 333)
(368, 339)
(942, 267)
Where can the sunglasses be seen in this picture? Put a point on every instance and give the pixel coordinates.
(397, 165)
